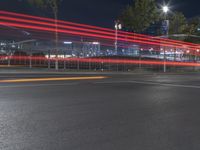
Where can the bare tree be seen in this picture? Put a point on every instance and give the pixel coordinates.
(53, 5)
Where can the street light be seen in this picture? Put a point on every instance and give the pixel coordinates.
(118, 26)
(165, 9)
(70, 47)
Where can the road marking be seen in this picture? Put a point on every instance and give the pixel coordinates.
(6, 66)
(153, 83)
(52, 79)
(167, 84)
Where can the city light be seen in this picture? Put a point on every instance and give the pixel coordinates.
(95, 43)
(165, 9)
(67, 42)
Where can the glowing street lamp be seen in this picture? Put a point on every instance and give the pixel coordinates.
(118, 26)
(165, 9)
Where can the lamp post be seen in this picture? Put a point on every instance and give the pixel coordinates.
(71, 45)
(197, 54)
(165, 11)
(118, 26)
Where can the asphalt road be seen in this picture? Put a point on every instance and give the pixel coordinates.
(121, 112)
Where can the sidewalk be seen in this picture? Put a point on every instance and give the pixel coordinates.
(61, 71)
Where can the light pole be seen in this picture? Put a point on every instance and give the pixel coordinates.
(165, 11)
(197, 54)
(70, 44)
(118, 26)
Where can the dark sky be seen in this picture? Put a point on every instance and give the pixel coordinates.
(97, 12)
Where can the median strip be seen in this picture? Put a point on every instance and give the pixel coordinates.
(52, 79)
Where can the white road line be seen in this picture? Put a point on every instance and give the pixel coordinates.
(153, 83)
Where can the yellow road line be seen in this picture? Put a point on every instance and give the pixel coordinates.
(53, 79)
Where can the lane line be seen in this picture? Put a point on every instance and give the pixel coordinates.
(153, 83)
(52, 79)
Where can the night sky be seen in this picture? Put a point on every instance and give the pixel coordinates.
(97, 12)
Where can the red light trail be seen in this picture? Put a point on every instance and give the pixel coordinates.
(128, 38)
(27, 26)
(104, 60)
(81, 29)
(98, 28)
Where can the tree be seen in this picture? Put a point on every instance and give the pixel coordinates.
(192, 30)
(140, 15)
(193, 25)
(53, 5)
(178, 23)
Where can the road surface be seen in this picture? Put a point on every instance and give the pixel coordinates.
(118, 112)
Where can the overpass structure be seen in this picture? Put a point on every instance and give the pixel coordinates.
(29, 40)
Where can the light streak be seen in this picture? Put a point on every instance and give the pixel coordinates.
(160, 41)
(52, 79)
(85, 34)
(108, 60)
(93, 27)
